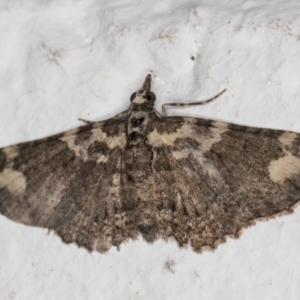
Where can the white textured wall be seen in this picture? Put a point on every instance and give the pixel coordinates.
(61, 60)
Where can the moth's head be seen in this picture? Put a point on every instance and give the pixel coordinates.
(144, 94)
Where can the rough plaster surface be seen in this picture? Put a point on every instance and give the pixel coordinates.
(60, 61)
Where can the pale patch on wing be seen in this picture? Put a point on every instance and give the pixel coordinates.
(81, 149)
(215, 137)
(187, 130)
(284, 168)
(180, 154)
(287, 138)
(13, 181)
(220, 125)
(69, 137)
(156, 139)
(11, 152)
(113, 142)
(103, 159)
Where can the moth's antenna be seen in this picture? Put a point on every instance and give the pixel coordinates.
(147, 83)
(191, 103)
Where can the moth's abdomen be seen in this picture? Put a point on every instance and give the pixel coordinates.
(138, 163)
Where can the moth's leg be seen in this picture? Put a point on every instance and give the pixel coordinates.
(157, 113)
(191, 103)
(118, 116)
(86, 121)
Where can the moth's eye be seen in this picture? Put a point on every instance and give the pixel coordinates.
(150, 96)
(132, 96)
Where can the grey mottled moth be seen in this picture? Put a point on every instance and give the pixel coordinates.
(194, 180)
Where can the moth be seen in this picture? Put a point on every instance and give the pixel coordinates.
(195, 180)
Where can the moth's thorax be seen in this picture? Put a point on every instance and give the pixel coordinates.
(137, 123)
